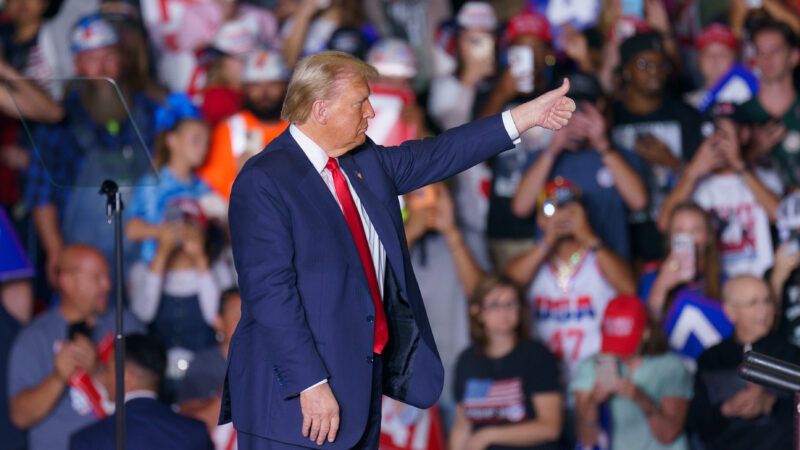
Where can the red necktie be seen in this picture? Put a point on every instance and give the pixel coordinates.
(353, 220)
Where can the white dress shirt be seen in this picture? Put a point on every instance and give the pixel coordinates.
(318, 158)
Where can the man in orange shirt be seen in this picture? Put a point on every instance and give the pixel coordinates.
(247, 132)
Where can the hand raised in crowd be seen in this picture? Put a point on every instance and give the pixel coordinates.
(444, 218)
(419, 222)
(477, 61)
(169, 237)
(577, 48)
(64, 361)
(592, 125)
(603, 390)
(626, 388)
(438, 216)
(506, 87)
(657, 17)
(84, 353)
(578, 224)
(553, 229)
(787, 259)
(320, 414)
(707, 159)
(193, 245)
(309, 7)
(671, 274)
(75, 354)
(749, 403)
(764, 138)
(569, 138)
(727, 142)
(169, 234)
(655, 151)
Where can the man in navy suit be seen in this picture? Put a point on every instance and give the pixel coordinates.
(332, 316)
(149, 423)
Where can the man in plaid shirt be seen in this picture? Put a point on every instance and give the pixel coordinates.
(96, 140)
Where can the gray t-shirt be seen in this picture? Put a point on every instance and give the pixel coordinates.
(31, 362)
(445, 301)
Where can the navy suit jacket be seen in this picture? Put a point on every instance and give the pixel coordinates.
(307, 313)
(149, 424)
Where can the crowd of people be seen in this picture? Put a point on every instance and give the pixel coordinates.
(594, 287)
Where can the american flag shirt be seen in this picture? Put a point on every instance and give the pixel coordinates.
(492, 401)
(499, 391)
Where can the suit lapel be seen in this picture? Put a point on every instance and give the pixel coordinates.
(319, 196)
(317, 193)
(378, 215)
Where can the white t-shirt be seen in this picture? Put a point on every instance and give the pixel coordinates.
(567, 310)
(745, 241)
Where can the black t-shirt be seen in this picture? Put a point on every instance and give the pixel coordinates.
(717, 380)
(508, 168)
(789, 317)
(677, 125)
(498, 391)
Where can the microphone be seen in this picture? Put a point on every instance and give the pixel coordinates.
(771, 372)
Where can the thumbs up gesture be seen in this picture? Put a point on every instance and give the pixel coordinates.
(550, 110)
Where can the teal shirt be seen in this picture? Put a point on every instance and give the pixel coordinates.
(659, 376)
(786, 154)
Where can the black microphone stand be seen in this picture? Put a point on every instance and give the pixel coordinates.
(114, 210)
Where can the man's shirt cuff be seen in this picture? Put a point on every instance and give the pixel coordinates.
(312, 387)
(511, 128)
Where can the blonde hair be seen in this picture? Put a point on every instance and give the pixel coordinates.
(315, 78)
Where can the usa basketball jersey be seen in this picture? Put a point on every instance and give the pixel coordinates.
(567, 308)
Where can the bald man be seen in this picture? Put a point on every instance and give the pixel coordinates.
(727, 412)
(60, 344)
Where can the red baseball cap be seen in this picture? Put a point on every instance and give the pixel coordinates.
(528, 23)
(623, 325)
(716, 33)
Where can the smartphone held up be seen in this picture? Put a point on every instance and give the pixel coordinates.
(520, 64)
(683, 253)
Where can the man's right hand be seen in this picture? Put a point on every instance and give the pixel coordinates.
(65, 362)
(320, 413)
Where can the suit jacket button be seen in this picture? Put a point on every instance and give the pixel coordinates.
(370, 359)
(370, 318)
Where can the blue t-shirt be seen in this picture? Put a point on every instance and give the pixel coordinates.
(603, 204)
(152, 196)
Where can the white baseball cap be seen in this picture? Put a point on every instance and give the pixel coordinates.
(477, 16)
(264, 65)
(393, 58)
(234, 38)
